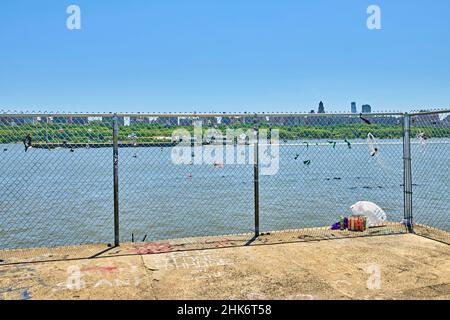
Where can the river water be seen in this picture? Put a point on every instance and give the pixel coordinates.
(58, 197)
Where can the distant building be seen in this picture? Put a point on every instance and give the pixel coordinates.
(44, 120)
(23, 120)
(366, 108)
(426, 119)
(321, 108)
(139, 120)
(209, 121)
(79, 120)
(109, 120)
(225, 120)
(389, 120)
(60, 120)
(168, 121)
(5, 120)
(94, 119)
(446, 121)
(354, 110)
(183, 121)
(66, 119)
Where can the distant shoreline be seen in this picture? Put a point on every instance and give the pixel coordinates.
(166, 144)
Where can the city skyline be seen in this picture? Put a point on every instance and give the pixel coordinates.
(188, 120)
(322, 108)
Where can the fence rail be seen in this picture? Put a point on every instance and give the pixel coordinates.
(192, 175)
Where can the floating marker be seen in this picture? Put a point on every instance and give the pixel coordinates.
(373, 149)
(422, 138)
(218, 165)
(27, 141)
(349, 145)
(364, 119)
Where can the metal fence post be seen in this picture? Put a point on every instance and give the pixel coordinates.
(407, 172)
(116, 178)
(256, 179)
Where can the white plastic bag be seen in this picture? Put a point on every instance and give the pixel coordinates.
(374, 214)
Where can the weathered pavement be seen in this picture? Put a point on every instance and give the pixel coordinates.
(382, 267)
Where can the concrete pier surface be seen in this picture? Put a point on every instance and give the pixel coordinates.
(401, 266)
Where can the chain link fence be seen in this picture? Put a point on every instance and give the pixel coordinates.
(172, 190)
(327, 164)
(430, 151)
(56, 180)
(189, 175)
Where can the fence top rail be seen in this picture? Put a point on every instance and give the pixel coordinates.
(424, 113)
(59, 115)
(195, 115)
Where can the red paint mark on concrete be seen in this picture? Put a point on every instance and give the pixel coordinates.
(219, 244)
(152, 248)
(223, 243)
(100, 268)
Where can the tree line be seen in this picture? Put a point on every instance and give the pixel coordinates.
(98, 132)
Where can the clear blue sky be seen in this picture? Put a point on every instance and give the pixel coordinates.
(227, 55)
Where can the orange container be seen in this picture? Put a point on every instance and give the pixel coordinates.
(351, 223)
(356, 223)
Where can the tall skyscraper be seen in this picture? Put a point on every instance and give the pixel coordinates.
(321, 108)
(354, 107)
(366, 108)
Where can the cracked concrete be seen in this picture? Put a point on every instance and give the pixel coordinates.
(384, 267)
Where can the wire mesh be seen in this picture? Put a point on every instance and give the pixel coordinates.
(190, 175)
(200, 195)
(56, 180)
(327, 164)
(430, 152)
